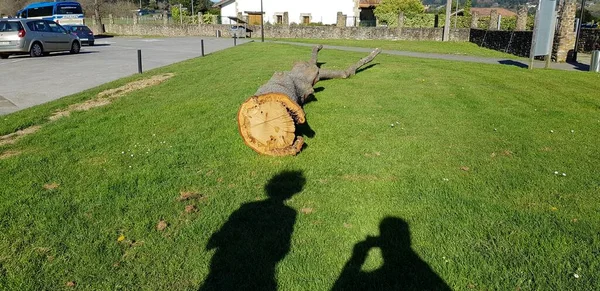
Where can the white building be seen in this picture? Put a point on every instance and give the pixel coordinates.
(297, 11)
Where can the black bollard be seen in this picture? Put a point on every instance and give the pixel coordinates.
(202, 46)
(140, 61)
(234, 40)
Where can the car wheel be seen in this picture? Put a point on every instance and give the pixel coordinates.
(36, 50)
(75, 47)
(3, 57)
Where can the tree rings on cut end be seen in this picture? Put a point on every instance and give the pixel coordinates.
(267, 124)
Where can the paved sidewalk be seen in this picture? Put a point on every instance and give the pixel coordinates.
(583, 64)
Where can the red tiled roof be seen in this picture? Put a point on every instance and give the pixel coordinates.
(368, 3)
(486, 11)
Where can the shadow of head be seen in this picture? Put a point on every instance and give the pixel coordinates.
(284, 185)
(393, 234)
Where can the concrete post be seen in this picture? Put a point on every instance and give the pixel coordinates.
(400, 19)
(111, 19)
(521, 18)
(165, 17)
(341, 19)
(493, 20)
(200, 18)
(135, 19)
(566, 32)
(286, 18)
(474, 19)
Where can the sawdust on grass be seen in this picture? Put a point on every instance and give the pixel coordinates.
(108, 96)
(102, 99)
(9, 154)
(12, 138)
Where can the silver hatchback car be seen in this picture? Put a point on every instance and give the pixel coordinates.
(36, 37)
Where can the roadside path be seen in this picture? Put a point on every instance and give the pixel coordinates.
(523, 63)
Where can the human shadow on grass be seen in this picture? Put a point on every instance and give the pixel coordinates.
(254, 239)
(402, 268)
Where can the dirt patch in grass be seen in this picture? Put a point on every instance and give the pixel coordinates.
(8, 154)
(51, 186)
(12, 138)
(161, 225)
(108, 96)
(191, 209)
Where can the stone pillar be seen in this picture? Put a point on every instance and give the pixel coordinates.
(214, 19)
(474, 19)
(493, 20)
(565, 35)
(136, 20)
(341, 19)
(286, 18)
(111, 19)
(165, 17)
(239, 15)
(522, 18)
(200, 18)
(401, 19)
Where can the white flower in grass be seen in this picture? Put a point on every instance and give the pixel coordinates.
(551, 131)
(576, 276)
(564, 174)
(555, 172)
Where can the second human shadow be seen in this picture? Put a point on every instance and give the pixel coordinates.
(402, 268)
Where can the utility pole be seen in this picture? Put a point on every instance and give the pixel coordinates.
(456, 14)
(262, 23)
(578, 31)
(446, 35)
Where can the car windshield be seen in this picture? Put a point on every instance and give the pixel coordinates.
(9, 26)
(69, 9)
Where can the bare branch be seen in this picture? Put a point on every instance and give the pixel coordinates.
(351, 71)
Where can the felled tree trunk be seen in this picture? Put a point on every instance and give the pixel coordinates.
(267, 121)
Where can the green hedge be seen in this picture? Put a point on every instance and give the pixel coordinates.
(428, 20)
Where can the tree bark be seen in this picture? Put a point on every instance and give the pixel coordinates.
(267, 119)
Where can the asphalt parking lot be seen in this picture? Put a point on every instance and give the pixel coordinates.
(26, 81)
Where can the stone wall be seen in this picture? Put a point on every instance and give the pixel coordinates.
(280, 31)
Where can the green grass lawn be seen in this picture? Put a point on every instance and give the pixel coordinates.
(462, 184)
(436, 47)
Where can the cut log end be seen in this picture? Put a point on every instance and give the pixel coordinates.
(267, 124)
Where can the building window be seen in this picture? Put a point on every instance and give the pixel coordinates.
(279, 19)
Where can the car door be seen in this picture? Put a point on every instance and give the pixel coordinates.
(42, 33)
(60, 37)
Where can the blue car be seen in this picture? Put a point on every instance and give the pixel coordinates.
(85, 34)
